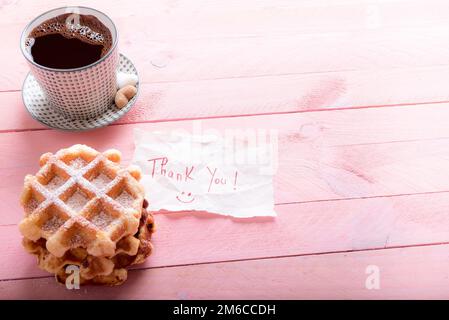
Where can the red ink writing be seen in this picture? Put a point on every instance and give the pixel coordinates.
(216, 180)
(159, 167)
(163, 160)
(212, 178)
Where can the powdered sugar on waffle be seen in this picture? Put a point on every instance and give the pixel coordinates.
(77, 163)
(77, 201)
(52, 224)
(77, 240)
(102, 220)
(125, 199)
(32, 204)
(112, 218)
(101, 181)
(55, 183)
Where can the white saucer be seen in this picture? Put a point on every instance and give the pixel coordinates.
(37, 105)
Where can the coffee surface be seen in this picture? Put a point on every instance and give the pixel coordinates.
(69, 41)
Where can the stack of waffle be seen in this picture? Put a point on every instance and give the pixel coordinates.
(83, 209)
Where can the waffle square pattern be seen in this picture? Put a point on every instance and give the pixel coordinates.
(83, 208)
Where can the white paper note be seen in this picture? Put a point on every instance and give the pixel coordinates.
(222, 175)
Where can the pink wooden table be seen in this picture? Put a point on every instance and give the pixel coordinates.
(359, 91)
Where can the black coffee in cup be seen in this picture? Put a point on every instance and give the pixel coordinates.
(69, 41)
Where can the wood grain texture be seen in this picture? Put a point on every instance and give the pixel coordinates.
(201, 59)
(264, 95)
(176, 50)
(299, 229)
(406, 273)
(322, 155)
(212, 17)
(355, 154)
(357, 92)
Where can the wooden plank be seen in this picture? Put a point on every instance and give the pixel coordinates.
(406, 273)
(299, 229)
(210, 58)
(322, 155)
(365, 155)
(252, 38)
(205, 17)
(264, 95)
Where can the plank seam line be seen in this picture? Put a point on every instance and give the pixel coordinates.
(363, 197)
(10, 90)
(387, 142)
(293, 203)
(297, 202)
(262, 75)
(261, 258)
(300, 255)
(248, 115)
(282, 74)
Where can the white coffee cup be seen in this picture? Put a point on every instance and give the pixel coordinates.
(79, 93)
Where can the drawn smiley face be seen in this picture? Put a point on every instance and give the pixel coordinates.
(185, 197)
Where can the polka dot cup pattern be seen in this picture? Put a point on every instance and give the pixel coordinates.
(81, 93)
(38, 106)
